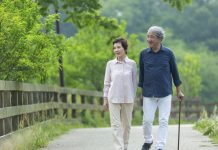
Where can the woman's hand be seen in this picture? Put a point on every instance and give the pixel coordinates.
(105, 104)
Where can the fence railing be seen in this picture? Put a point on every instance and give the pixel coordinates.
(22, 104)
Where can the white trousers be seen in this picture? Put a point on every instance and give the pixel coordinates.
(149, 108)
(120, 118)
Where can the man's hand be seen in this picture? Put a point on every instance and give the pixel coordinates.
(179, 93)
(105, 104)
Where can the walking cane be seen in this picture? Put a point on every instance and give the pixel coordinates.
(180, 101)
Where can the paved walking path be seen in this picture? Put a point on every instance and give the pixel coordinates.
(101, 139)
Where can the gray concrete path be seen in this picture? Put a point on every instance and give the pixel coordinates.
(101, 139)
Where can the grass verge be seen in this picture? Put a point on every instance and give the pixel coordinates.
(209, 125)
(38, 136)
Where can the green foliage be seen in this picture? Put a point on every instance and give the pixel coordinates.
(204, 114)
(135, 47)
(26, 51)
(179, 4)
(80, 12)
(88, 53)
(30, 48)
(209, 75)
(203, 66)
(37, 136)
(95, 120)
(198, 28)
(209, 126)
(137, 118)
(190, 30)
(191, 79)
(133, 12)
(77, 6)
(87, 56)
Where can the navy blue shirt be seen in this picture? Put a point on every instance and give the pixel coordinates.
(157, 71)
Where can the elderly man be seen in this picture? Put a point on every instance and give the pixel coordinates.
(157, 69)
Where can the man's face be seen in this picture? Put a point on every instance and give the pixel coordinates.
(152, 40)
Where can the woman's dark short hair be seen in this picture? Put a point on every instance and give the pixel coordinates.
(123, 42)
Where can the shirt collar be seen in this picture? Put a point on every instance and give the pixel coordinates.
(126, 59)
(161, 49)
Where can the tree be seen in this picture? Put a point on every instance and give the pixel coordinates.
(87, 55)
(179, 4)
(209, 75)
(200, 27)
(80, 12)
(26, 51)
(190, 74)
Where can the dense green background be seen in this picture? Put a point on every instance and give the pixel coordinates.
(30, 47)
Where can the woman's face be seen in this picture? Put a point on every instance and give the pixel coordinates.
(119, 50)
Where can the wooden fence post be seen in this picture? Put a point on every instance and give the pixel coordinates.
(91, 102)
(63, 98)
(14, 102)
(73, 96)
(7, 121)
(48, 97)
(101, 101)
(1, 120)
(83, 102)
(55, 95)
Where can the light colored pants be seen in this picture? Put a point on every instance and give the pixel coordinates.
(120, 118)
(149, 108)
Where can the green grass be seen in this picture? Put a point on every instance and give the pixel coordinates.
(209, 126)
(38, 135)
(94, 119)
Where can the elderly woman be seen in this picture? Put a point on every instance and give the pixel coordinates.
(157, 69)
(120, 85)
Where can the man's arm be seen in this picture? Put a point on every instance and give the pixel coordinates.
(174, 71)
(141, 70)
(176, 79)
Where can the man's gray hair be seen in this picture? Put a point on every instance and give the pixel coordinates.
(158, 31)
